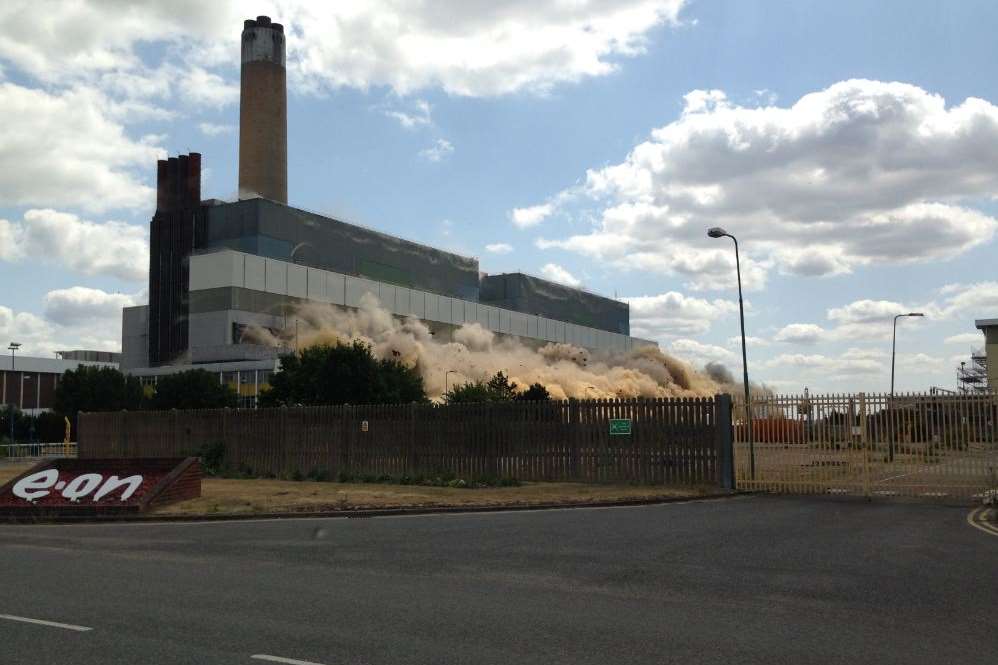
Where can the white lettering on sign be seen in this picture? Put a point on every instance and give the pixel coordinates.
(38, 485)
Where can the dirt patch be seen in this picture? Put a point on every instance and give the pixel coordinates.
(267, 496)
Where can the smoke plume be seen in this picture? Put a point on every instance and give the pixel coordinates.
(476, 354)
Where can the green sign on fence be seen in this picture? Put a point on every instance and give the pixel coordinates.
(620, 426)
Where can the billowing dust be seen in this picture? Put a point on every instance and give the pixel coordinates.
(476, 354)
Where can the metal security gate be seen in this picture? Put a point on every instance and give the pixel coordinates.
(932, 446)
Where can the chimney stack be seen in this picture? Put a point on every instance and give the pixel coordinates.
(263, 112)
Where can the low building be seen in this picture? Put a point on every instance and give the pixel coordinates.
(28, 383)
(990, 355)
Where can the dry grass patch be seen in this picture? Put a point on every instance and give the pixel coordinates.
(10, 470)
(262, 496)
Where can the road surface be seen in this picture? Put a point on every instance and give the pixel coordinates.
(746, 580)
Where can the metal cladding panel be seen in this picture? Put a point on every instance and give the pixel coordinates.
(265, 227)
(445, 310)
(209, 271)
(483, 316)
(255, 272)
(336, 288)
(386, 294)
(356, 287)
(504, 325)
(277, 276)
(417, 302)
(559, 331)
(317, 285)
(532, 295)
(297, 281)
(532, 326)
(403, 301)
(518, 324)
(432, 307)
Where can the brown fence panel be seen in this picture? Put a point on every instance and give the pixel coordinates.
(672, 441)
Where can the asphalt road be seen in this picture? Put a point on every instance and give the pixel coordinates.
(744, 580)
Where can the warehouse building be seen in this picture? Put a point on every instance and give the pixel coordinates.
(28, 383)
(218, 269)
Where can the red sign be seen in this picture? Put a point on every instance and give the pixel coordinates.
(99, 486)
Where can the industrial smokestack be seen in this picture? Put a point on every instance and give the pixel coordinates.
(263, 112)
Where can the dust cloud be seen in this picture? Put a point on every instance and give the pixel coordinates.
(476, 354)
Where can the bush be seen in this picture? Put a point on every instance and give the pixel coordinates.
(342, 374)
(212, 457)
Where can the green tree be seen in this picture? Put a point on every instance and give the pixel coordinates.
(342, 374)
(535, 393)
(497, 389)
(192, 389)
(90, 388)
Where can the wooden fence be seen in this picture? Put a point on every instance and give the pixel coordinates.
(671, 440)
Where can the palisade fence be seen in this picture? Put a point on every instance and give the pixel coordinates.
(908, 444)
(671, 441)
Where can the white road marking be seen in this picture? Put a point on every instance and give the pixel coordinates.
(972, 520)
(279, 659)
(50, 624)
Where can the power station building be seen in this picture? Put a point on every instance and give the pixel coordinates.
(217, 269)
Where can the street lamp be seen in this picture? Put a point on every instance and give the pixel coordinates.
(718, 232)
(14, 346)
(894, 339)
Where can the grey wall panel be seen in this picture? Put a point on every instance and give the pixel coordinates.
(432, 306)
(403, 301)
(297, 281)
(255, 271)
(209, 271)
(336, 288)
(386, 294)
(532, 326)
(356, 287)
(504, 324)
(317, 285)
(209, 328)
(417, 303)
(277, 276)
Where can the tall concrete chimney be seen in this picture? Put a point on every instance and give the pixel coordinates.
(263, 112)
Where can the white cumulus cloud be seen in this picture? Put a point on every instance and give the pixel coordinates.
(860, 173)
(557, 273)
(499, 248)
(58, 238)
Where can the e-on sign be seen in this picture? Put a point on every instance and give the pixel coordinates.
(620, 426)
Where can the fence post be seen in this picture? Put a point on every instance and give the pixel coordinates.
(864, 441)
(725, 441)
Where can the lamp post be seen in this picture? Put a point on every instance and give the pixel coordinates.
(14, 346)
(718, 232)
(894, 339)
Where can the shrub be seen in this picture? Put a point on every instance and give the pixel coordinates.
(212, 456)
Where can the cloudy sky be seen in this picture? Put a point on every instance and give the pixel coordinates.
(851, 146)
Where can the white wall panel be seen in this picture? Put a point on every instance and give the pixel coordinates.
(356, 287)
(403, 301)
(317, 285)
(445, 311)
(336, 288)
(386, 293)
(216, 270)
(255, 272)
(417, 303)
(297, 280)
(277, 276)
(504, 315)
(532, 326)
(432, 306)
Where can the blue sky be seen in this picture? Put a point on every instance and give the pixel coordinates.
(852, 147)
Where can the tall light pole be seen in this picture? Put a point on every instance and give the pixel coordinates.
(450, 371)
(14, 346)
(894, 339)
(718, 232)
